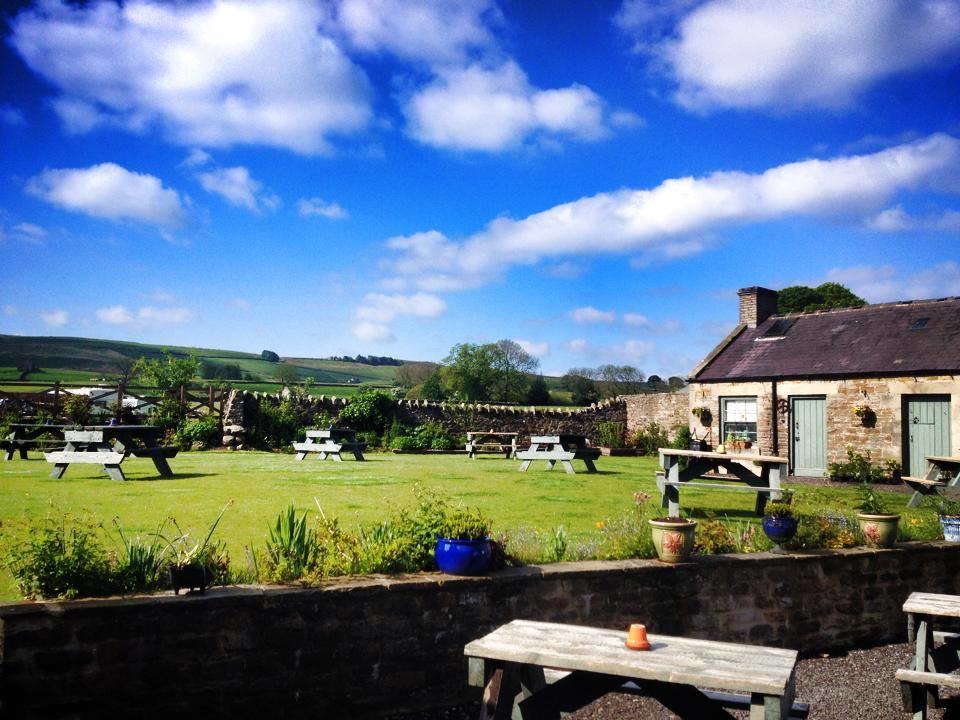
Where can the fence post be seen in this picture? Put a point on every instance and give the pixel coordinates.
(120, 392)
(56, 400)
(210, 398)
(183, 400)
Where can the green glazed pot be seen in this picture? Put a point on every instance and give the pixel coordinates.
(673, 540)
(880, 531)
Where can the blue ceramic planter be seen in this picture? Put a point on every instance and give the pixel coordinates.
(779, 530)
(463, 557)
(951, 528)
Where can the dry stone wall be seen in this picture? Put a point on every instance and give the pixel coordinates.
(457, 418)
(380, 645)
(668, 410)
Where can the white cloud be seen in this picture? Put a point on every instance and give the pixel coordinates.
(238, 188)
(372, 332)
(28, 233)
(492, 109)
(318, 207)
(377, 311)
(13, 116)
(239, 304)
(630, 352)
(578, 345)
(55, 318)
(430, 31)
(110, 191)
(661, 220)
(886, 283)
(636, 320)
(535, 349)
(213, 74)
(896, 219)
(783, 54)
(145, 316)
(590, 315)
(197, 158)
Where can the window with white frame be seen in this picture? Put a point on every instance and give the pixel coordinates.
(739, 418)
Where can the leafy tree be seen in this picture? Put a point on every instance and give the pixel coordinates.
(167, 373)
(287, 373)
(432, 387)
(828, 296)
(676, 382)
(220, 371)
(583, 390)
(512, 366)
(539, 393)
(269, 356)
(495, 371)
(414, 373)
(368, 410)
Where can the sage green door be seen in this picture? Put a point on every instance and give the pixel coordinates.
(809, 418)
(926, 429)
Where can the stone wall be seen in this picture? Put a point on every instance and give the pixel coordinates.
(882, 439)
(457, 418)
(668, 410)
(378, 645)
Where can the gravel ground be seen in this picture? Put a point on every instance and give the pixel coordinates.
(859, 685)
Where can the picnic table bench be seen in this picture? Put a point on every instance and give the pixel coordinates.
(766, 484)
(480, 441)
(942, 472)
(27, 436)
(109, 446)
(562, 448)
(933, 664)
(526, 656)
(330, 443)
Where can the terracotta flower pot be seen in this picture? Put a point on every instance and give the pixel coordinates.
(880, 531)
(673, 539)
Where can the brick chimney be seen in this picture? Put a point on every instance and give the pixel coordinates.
(756, 305)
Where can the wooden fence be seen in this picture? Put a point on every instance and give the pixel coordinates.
(48, 400)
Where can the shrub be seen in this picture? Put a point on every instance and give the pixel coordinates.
(628, 536)
(649, 439)
(203, 431)
(858, 468)
(292, 547)
(829, 529)
(610, 434)
(368, 410)
(61, 558)
(682, 438)
(77, 409)
(714, 537)
(279, 424)
(405, 443)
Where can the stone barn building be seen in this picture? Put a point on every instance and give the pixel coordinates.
(882, 379)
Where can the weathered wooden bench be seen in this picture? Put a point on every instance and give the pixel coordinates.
(330, 443)
(474, 449)
(763, 493)
(565, 457)
(22, 445)
(85, 447)
(918, 688)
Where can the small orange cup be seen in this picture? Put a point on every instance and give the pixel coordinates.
(637, 637)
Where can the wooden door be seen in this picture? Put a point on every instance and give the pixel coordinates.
(926, 430)
(809, 444)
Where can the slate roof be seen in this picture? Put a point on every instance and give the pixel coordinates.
(874, 340)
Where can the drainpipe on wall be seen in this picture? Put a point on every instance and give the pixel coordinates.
(773, 415)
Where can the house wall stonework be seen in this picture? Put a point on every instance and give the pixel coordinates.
(668, 410)
(882, 440)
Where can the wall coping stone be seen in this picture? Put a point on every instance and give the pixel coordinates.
(363, 585)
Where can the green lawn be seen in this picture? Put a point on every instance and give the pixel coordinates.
(260, 484)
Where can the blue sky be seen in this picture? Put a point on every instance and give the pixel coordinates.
(592, 179)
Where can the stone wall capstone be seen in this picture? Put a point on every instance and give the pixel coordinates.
(379, 645)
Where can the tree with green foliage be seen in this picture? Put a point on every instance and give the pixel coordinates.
(497, 371)
(828, 296)
(512, 367)
(539, 393)
(167, 373)
(583, 390)
(287, 374)
(368, 410)
(269, 356)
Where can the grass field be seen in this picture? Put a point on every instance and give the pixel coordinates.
(260, 484)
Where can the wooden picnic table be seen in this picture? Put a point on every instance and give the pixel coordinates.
(110, 445)
(330, 443)
(595, 661)
(25, 436)
(942, 472)
(766, 484)
(479, 441)
(563, 447)
(933, 665)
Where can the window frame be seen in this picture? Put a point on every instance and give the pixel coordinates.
(746, 430)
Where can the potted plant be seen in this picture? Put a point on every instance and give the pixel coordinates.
(949, 511)
(610, 439)
(738, 442)
(194, 564)
(673, 538)
(878, 524)
(463, 544)
(780, 524)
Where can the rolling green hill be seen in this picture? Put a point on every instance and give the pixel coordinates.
(82, 359)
